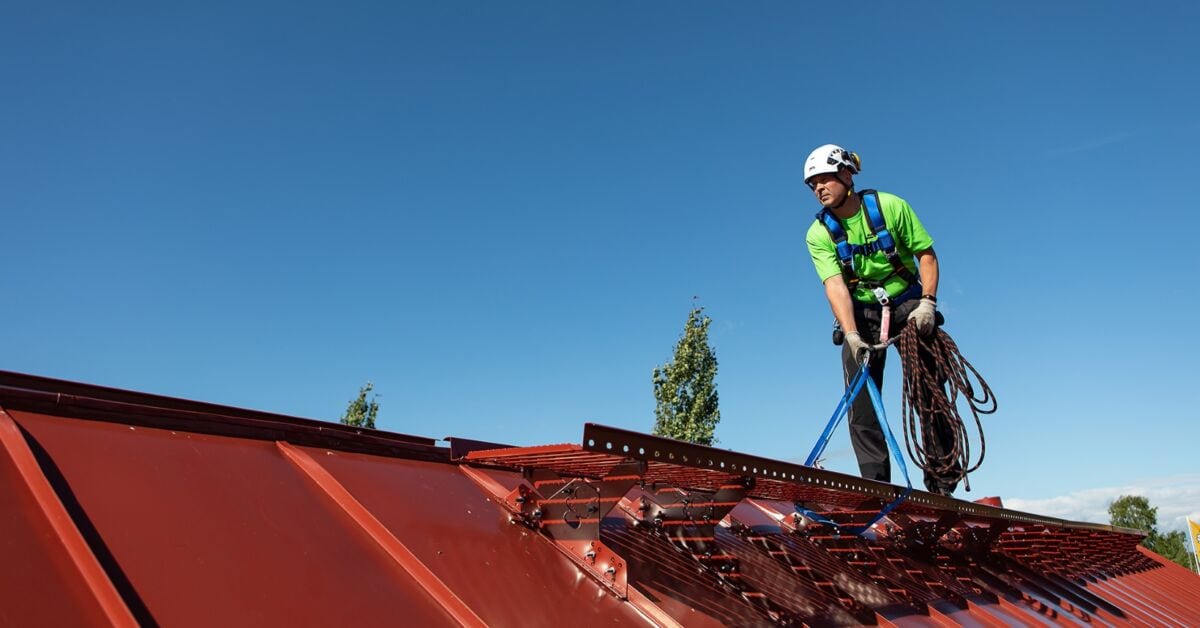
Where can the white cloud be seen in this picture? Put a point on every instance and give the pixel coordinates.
(1092, 144)
(1175, 497)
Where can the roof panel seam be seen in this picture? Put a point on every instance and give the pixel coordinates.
(379, 533)
(63, 526)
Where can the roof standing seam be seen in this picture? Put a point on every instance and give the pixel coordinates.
(65, 562)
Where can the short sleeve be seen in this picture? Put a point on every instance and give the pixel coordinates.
(907, 227)
(820, 247)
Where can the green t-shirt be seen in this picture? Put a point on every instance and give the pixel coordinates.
(905, 228)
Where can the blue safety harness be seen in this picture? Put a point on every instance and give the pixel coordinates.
(884, 241)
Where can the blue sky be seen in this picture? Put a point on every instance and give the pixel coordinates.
(500, 213)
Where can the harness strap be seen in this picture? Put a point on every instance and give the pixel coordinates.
(845, 250)
(884, 241)
(884, 237)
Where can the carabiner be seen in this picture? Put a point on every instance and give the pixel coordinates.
(881, 295)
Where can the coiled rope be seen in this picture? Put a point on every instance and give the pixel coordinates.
(928, 361)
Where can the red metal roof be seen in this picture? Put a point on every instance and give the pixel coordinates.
(122, 508)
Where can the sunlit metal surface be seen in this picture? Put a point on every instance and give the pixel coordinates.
(121, 508)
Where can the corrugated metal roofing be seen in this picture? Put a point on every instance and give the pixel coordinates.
(122, 508)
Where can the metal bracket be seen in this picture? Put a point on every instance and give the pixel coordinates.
(602, 562)
(569, 511)
(570, 508)
(689, 518)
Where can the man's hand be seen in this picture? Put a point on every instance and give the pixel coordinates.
(856, 345)
(923, 316)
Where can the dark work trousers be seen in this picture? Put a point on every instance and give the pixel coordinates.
(866, 435)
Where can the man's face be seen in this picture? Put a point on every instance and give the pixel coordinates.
(828, 188)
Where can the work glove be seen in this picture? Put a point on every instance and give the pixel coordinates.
(923, 316)
(857, 345)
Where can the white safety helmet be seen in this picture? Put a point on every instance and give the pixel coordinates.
(828, 159)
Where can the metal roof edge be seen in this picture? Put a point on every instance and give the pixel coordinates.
(60, 397)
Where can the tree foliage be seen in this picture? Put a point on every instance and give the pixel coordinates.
(685, 389)
(1171, 546)
(361, 412)
(1135, 511)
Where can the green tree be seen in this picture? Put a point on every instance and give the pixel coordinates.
(1135, 511)
(1171, 546)
(361, 412)
(685, 391)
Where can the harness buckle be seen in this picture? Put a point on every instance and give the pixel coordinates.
(881, 295)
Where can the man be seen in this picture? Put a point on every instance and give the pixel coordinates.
(864, 266)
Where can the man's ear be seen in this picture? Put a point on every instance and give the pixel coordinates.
(846, 178)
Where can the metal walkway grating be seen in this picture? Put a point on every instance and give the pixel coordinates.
(674, 463)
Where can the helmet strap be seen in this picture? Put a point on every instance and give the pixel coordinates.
(849, 190)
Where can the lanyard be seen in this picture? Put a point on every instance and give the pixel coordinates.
(860, 380)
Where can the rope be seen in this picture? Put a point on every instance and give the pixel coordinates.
(928, 361)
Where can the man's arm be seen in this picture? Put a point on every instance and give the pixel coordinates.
(927, 266)
(839, 301)
(925, 315)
